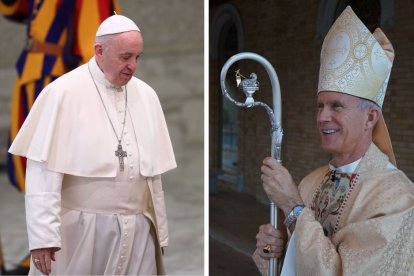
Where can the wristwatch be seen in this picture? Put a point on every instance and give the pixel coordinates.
(293, 216)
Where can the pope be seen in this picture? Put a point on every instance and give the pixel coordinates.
(97, 143)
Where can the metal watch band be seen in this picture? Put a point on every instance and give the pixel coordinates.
(292, 217)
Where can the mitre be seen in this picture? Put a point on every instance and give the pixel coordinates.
(116, 24)
(353, 61)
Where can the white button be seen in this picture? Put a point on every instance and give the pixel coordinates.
(125, 132)
(131, 177)
(131, 167)
(126, 221)
(124, 245)
(129, 154)
(119, 267)
(122, 256)
(120, 111)
(127, 142)
(126, 234)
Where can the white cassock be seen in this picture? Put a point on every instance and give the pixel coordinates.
(105, 221)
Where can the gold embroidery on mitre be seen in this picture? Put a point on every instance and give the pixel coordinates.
(352, 60)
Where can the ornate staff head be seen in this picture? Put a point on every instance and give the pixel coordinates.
(249, 86)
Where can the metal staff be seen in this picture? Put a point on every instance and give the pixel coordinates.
(249, 87)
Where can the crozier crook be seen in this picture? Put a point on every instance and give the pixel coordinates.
(249, 86)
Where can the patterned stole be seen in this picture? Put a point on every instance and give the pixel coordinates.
(330, 199)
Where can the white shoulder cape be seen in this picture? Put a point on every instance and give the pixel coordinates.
(68, 129)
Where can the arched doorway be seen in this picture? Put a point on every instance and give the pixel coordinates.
(226, 39)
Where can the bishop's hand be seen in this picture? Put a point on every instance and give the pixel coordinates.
(279, 186)
(275, 239)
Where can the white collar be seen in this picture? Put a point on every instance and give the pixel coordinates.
(348, 168)
(351, 167)
(99, 76)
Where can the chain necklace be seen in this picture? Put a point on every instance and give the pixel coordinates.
(119, 152)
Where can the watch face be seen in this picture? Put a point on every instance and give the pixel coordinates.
(297, 210)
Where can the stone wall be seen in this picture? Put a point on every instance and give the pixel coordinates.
(11, 42)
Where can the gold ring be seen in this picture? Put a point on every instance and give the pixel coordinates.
(267, 249)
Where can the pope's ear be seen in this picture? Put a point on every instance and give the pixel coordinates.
(98, 49)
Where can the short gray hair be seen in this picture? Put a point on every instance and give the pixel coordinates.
(103, 40)
(365, 104)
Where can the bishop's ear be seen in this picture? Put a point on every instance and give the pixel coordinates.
(373, 116)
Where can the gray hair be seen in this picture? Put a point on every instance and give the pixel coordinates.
(104, 40)
(365, 104)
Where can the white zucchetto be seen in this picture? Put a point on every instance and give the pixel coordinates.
(116, 24)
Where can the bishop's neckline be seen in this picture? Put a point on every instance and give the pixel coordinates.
(348, 168)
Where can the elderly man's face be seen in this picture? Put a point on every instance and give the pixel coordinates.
(119, 58)
(342, 125)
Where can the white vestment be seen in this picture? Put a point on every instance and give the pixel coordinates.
(105, 221)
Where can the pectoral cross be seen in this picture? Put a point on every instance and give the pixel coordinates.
(120, 154)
